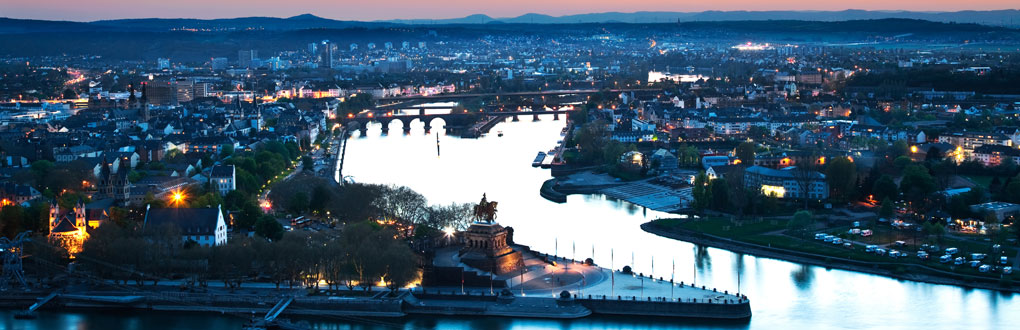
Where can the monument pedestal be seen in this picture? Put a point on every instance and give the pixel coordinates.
(485, 248)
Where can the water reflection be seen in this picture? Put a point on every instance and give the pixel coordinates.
(802, 277)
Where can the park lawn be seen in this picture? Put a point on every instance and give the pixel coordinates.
(723, 227)
(982, 180)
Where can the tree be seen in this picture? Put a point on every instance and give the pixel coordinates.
(801, 222)
(917, 184)
(758, 133)
(933, 155)
(320, 198)
(841, 174)
(899, 148)
(720, 195)
(11, 219)
(805, 175)
(885, 188)
(745, 152)
(307, 164)
(227, 151)
(249, 215)
(299, 202)
(402, 204)
(69, 94)
(701, 191)
(886, 210)
(268, 227)
(902, 162)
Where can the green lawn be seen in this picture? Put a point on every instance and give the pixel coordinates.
(755, 232)
(982, 180)
(724, 227)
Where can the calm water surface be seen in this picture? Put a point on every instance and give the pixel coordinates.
(783, 295)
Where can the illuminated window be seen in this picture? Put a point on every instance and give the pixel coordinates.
(777, 191)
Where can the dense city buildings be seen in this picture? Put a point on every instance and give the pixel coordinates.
(303, 166)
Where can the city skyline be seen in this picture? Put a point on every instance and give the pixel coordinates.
(409, 10)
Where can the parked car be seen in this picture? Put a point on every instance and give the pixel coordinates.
(894, 254)
(837, 241)
(975, 263)
(1003, 260)
(923, 255)
(977, 256)
(945, 258)
(820, 236)
(870, 248)
(866, 232)
(984, 268)
(901, 244)
(959, 261)
(952, 251)
(996, 248)
(848, 245)
(880, 252)
(828, 238)
(1007, 270)
(857, 224)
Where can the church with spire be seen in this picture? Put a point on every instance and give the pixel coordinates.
(68, 228)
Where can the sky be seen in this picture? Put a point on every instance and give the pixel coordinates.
(89, 10)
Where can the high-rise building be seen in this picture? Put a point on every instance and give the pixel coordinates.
(329, 53)
(163, 63)
(201, 89)
(354, 47)
(160, 92)
(247, 58)
(219, 63)
(405, 45)
(313, 48)
(185, 90)
(421, 44)
(388, 45)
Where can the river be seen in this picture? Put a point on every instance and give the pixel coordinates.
(783, 295)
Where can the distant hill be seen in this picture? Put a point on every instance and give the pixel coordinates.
(1008, 17)
(300, 22)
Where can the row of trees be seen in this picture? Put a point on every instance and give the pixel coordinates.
(354, 203)
(361, 257)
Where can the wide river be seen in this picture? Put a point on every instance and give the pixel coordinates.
(783, 295)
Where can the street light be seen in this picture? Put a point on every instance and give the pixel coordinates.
(177, 197)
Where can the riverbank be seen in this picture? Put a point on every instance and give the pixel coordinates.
(382, 304)
(911, 272)
(641, 192)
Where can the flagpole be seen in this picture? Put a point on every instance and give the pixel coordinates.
(672, 274)
(612, 273)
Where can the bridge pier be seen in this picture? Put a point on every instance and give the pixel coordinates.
(515, 118)
(428, 126)
(407, 126)
(556, 116)
(534, 117)
(363, 130)
(421, 111)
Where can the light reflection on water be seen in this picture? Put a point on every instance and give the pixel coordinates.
(783, 295)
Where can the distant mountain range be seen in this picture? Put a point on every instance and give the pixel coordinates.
(1008, 18)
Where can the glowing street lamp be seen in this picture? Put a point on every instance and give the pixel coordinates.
(177, 197)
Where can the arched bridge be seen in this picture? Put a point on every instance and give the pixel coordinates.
(455, 118)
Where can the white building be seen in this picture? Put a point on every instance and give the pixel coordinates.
(223, 178)
(204, 226)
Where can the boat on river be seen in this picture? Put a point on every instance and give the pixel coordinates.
(538, 159)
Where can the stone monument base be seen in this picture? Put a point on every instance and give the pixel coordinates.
(499, 264)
